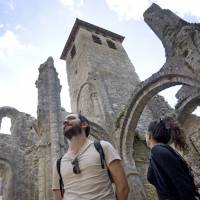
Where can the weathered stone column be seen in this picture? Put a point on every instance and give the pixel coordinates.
(49, 125)
(137, 191)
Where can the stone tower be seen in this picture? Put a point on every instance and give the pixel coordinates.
(49, 125)
(99, 72)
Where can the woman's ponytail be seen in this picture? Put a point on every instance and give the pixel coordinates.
(177, 134)
(179, 139)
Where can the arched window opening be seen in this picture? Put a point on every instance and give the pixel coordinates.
(169, 95)
(5, 126)
(197, 111)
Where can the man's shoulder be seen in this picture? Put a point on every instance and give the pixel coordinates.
(105, 144)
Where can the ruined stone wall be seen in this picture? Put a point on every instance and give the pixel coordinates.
(18, 157)
(191, 128)
(156, 109)
(104, 87)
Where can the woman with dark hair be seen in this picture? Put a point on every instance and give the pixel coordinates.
(168, 171)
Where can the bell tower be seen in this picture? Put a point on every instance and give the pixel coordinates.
(100, 74)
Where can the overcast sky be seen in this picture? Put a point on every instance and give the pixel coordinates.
(33, 30)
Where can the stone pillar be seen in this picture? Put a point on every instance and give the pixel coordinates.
(137, 190)
(49, 125)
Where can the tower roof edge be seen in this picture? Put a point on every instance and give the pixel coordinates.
(80, 23)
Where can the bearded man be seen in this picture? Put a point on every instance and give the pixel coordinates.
(81, 167)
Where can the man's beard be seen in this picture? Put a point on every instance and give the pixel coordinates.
(73, 131)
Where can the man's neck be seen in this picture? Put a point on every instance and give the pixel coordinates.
(77, 142)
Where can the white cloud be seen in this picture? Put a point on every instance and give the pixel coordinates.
(67, 2)
(81, 2)
(10, 44)
(11, 4)
(129, 9)
(19, 27)
(1, 25)
(72, 2)
(181, 7)
(74, 6)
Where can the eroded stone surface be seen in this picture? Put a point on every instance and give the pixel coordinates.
(104, 86)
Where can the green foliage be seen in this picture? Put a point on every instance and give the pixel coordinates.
(139, 137)
(118, 118)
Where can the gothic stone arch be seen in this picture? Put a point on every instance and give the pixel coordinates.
(168, 76)
(189, 99)
(9, 112)
(17, 154)
(165, 78)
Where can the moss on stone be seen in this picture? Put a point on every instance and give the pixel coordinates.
(139, 137)
(118, 118)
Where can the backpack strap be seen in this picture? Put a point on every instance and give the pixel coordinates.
(100, 150)
(60, 180)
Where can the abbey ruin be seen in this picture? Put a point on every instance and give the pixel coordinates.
(105, 87)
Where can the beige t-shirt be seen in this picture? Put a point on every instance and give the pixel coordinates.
(93, 182)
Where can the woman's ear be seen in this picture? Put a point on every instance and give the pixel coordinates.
(150, 135)
(148, 138)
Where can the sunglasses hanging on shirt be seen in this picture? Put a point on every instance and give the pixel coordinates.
(76, 168)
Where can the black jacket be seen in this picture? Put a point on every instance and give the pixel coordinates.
(170, 174)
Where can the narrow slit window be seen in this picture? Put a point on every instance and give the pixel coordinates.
(73, 51)
(111, 44)
(96, 39)
(6, 126)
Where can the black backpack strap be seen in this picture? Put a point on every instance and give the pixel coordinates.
(60, 180)
(100, 150)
